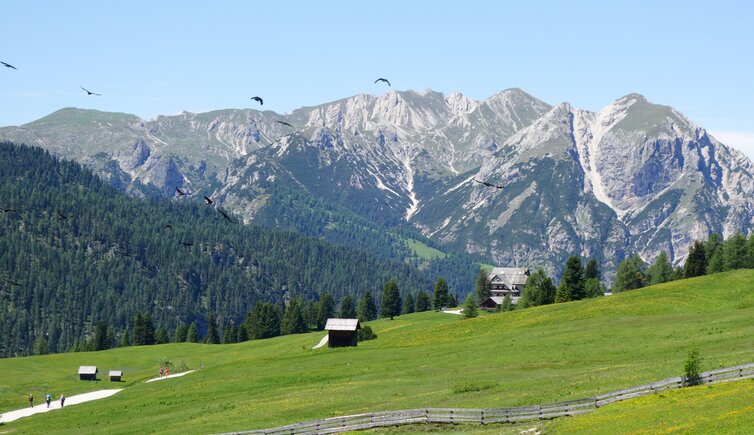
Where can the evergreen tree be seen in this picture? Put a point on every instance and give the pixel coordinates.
(138, 329)
(711, 246)
(538, 290)
(716, 263)
(325, 310)
(100, 336)
(213, 335)
(264, 321)
(408, 304)
(735, 252)
(696, 262)
(192, 335)
(469, 306)
(181, 331)
(750, 249)
(125, 339)
(391, 300)
(593, 288)
(630, 274)
(40, 346)
(592, 270)
(161, 336)
(661, 271)
(422, 302)
(367, 309)
(243, 333)
(347, 309)
(309, 311)
(507, 304)
(482, 286)
(293, 319)
(148, 330)
(441, 296)
(230, 333)
(571, 286)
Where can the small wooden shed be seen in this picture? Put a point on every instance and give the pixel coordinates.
(115, 375)
(88, 373)
(342, 332)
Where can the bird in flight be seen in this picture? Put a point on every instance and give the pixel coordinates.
(88, 92)
(258, 99)
(63, 217)
(17, 284)
(225, 216)
(382, 80)
(488, 184)
(180, 192)
(284, 123)
(207, 200)
(10, 210)
(168, 227)
(7, 65)
(187, 244)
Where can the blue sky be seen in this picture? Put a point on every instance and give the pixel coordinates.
(152, 58)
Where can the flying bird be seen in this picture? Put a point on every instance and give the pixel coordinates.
(88, 92)
(7, 65)
(258, 99)
(207, 200)
(180, 192)
(225, 216)
(488, 184)
(382, 80)
(10, 210)
(187, 244)
(284, 123)
(63, 217)
(17, 284)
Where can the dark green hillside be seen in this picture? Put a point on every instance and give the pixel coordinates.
(73, 251)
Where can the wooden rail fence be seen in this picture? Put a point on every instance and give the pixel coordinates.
(498, 415)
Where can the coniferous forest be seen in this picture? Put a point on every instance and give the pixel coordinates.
(77, 256)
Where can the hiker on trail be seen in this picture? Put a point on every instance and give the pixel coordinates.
(62, 400)
(162, 371)
(31, 400)
(48, 399)
(167, 371)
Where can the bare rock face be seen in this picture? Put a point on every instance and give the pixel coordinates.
(635, 177)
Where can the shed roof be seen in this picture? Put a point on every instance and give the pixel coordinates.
(342, 325)
(115, 373)
(88, 370)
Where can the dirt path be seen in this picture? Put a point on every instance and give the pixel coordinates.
(171, 376)
(69, 401)
(458, 311)
(321, 342)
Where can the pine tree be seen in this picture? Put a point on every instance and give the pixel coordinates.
(716, 263)
(40, 346)
(125, 339)
(293, 319)
(507, 304)
(325, 310)
(735, 252)
(181, 331)
(422, 302)
(482, 286)
(593, 288)
(661, 271)
(571, 286)
(243, 333)
(441, 296)
(192, 335)
(630, 274)
(229, 333)
(264, 321)
(161, 336)
(100, 336)
(138, 329)
(696, 262)
(148, 329)
(713, 244)
(367, 309)
(213, 335)
(408, 304)
(391, 300)
(538, 290)
(592, 270)
(470, 306)
(347, 309)
(750, 249)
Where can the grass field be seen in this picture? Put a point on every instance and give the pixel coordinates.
(544, 354)
(423, 251)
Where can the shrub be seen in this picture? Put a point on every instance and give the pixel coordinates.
(365, 333)
(692, 368)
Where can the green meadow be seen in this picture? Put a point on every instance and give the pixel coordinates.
(544, 354)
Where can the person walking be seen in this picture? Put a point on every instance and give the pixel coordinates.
(167, 371)
(48, 399)
(62, 400)
(162, 371)
(31, 400)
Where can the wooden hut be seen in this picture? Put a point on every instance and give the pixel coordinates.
(88, 373)
(115, 375)
(342, 332)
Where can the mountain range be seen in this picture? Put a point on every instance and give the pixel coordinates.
(635, 177)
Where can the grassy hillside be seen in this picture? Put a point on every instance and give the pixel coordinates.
(544, 354)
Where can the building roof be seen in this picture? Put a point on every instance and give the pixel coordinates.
(88, 370)
(342, 325)
(510, 276)
(115, 373)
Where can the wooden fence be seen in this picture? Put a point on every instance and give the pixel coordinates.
(498, 415)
